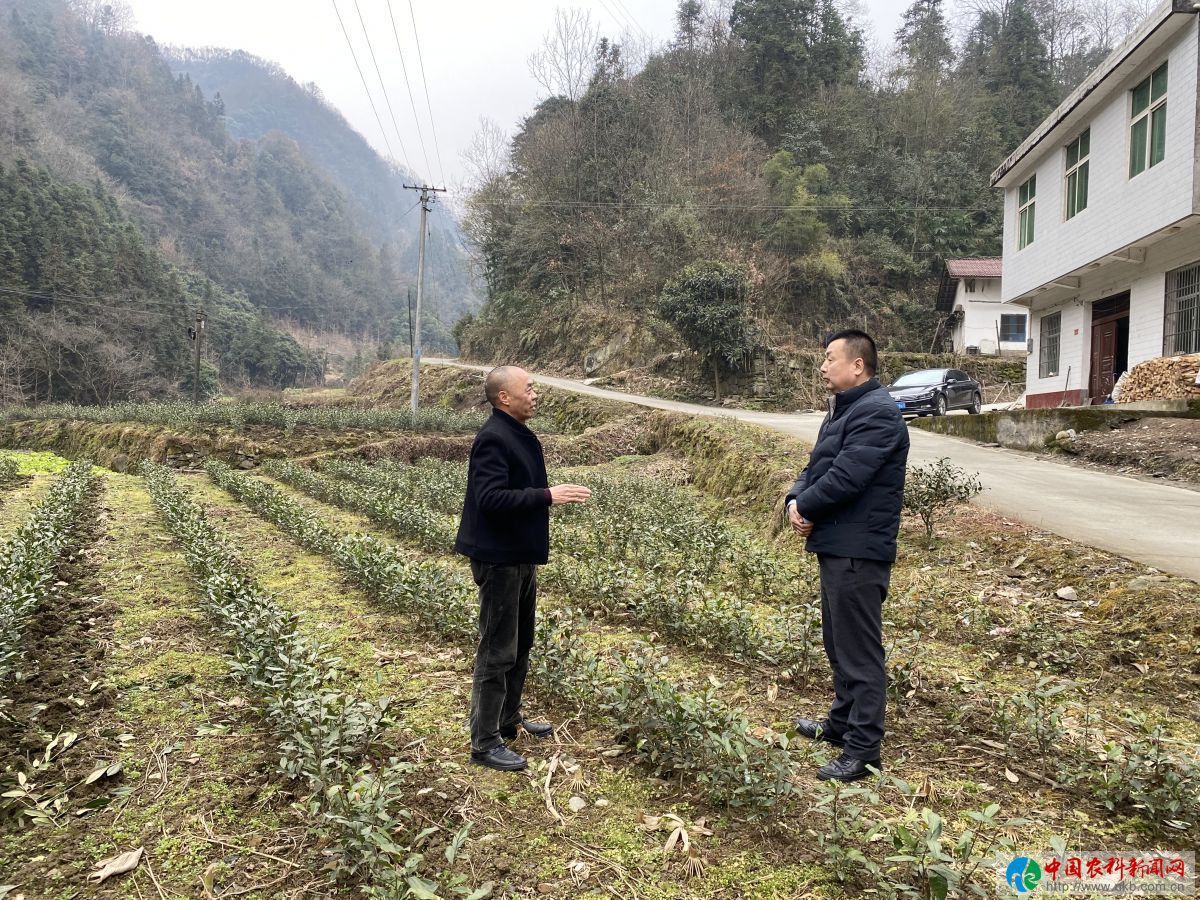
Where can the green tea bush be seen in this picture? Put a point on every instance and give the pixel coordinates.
(746, 772)
(27, 562)
(1144, 769)
(645, 553)
(324, 734)
(933, 491)
(10, 473)
(240, 415)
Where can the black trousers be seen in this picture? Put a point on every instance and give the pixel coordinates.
(852, 595)
(507, 605)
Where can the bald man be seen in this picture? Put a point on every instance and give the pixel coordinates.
(505, 531)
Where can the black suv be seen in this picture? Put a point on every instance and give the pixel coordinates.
(936, 392)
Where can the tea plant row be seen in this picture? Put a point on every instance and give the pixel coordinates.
(240, 415)
(28, 561)
(324, 733)
(667, 596)
(404, 516)
(439, 484)
(637, 520)
(678, 733)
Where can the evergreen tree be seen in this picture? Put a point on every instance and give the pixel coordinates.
(790, 49)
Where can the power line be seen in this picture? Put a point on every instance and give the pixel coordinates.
(408, 87)
(133, 304)
(136, 305)
(425, 82)
(623, 23)
(637, 24)
(370, 99)
(387, 97)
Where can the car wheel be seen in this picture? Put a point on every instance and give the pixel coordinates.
(940, 405)
(976, 405)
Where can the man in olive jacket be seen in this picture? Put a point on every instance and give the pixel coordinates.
(847, 504)
(505, 531)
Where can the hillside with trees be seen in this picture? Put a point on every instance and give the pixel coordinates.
(259, 98)
(126, 203)
(764, 157)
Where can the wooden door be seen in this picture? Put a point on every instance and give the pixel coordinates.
(1104, 349)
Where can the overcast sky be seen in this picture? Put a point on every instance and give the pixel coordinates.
(475, 54)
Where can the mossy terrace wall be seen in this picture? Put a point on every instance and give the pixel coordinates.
(122, 446)
(1033, 429)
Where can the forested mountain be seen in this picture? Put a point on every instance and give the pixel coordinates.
(257, 98)
(759, 180)
(126, 203)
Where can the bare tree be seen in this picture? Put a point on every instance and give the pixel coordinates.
(487, 156)
(108, 16)
(563, 65)
(1110, 21)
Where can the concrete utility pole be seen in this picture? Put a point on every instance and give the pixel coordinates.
(426, 201)
(198, 339)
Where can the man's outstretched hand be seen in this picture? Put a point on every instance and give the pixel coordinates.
(569, 493)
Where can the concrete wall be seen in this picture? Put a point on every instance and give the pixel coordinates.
(1033, 429)
(1120, 210)
(1146, 284)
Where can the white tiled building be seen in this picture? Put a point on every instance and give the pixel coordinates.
(978, 321)
(1102, 216)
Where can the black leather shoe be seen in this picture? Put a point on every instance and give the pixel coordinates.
(818, 731)
(499, 757)
(534, 729)
(847, 768)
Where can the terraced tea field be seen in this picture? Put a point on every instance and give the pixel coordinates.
(257, 679)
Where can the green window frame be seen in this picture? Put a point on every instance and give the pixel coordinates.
(1026, 195)
(1050, 328)
(1077, 173)
(1148, 122)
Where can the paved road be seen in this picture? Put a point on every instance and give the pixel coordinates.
(1156, 524)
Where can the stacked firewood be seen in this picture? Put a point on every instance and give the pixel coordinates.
(1164, 378)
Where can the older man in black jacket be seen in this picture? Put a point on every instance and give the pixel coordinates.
(505, 531)
(847, 504)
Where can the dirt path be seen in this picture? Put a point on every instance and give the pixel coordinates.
(1152, 523)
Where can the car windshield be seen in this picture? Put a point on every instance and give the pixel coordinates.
(918, 379)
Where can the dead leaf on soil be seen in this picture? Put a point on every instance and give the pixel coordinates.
(116, 865)
(772, 692)
(1141, 667)
(1011, 775)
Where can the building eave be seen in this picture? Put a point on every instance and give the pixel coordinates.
(1132, 255)
(1151, 30)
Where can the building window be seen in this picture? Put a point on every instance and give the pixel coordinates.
(1181, 326)
(1148, 128)
(1051, 328)
(1012, 328)
(1077, 173)
(970, 285)
(1025, 198)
